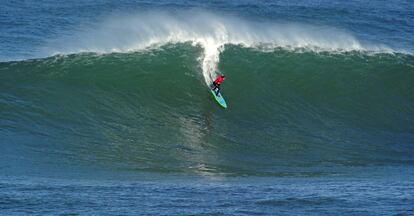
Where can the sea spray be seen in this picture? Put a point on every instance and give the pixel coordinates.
(135, 32)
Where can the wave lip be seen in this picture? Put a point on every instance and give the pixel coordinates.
(208, 30)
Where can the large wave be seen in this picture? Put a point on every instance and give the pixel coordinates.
(126, 33)
(288, 112)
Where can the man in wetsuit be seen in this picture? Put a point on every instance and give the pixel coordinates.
(217, 83)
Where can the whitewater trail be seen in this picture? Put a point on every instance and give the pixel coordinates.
(129, 33)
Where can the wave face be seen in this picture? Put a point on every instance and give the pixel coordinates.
(290, 112)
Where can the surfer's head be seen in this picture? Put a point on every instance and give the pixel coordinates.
(223, 76)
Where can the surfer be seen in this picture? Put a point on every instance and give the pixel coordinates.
(217, 83)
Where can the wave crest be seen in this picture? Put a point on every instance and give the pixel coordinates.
(210, 31)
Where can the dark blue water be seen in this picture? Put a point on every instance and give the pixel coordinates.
(208, 196)
(104, 108)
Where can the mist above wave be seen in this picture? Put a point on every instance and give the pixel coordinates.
(134, 32)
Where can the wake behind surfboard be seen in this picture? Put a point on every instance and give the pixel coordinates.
(220, 100)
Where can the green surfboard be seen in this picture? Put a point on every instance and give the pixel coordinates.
(220, 100)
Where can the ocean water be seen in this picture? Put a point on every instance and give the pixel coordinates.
(105, 108)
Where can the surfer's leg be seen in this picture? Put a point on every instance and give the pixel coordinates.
(215, 86)
(218, 91)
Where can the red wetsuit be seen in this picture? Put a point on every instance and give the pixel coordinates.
(217, 83)
(219, 80)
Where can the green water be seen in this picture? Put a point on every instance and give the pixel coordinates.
(290, 112)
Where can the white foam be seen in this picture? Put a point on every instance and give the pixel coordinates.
(208, 30)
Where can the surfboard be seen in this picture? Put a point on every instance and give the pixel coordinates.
(220, 100)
